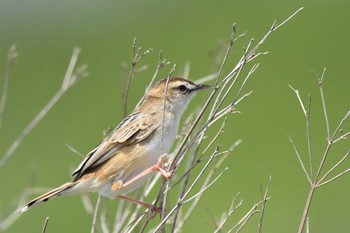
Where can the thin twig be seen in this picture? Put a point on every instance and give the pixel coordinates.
(70, 79)
(342, 137)
(136, 57)
(186, 176)
(131, 74)
(320, 83)
(347, 115)
(334, 178)
(162, 199)
(161, 63)
(246, 217)
(11, 57)
(190, 141)
(205, 188)
(94, 220)
(104, 221)
(87, 203)
(205, 183)
(231, 211)
(75, 151)
(306, 208)
(300, 160)
(263, 203)
(181, 199)
(307, 119)
(334, 167)
(187, 69)
(307, 225)
(223, 63)
(45, 225)
(308, 135)
(299, 98)
(315, 181)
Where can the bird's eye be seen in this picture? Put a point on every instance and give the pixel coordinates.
(183, 88)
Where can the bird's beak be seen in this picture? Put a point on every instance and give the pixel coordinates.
(200, 87)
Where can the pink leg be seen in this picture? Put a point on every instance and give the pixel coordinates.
(152, 209)
(137, 202)
(157, 167)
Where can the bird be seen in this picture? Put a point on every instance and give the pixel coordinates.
(126, 158)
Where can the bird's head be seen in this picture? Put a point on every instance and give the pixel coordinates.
(178, 92)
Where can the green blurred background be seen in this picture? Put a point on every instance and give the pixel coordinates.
(45, 33)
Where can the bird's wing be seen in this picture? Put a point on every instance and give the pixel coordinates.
(133, 129)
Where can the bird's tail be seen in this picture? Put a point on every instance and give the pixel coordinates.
(49, 195)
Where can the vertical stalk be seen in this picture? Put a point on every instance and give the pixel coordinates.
(307, 208)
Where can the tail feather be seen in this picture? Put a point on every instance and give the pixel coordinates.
(49, 195)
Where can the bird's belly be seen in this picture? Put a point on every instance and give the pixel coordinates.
(146, 156)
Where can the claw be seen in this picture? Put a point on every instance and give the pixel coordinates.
(159, 167)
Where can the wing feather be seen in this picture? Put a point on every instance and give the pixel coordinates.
(133, 129)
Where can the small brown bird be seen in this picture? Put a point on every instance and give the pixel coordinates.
(126, 158)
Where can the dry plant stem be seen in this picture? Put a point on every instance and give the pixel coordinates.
(183, 189)
(243, 221)
(136, 57)
(94, 219)
(194, 203)
(138, 207)
(223, 84)
(246, 58)
(124, 213)
(198, 136)
(134, 219)
(72, 76)
(75, 151)
(11, 57)
(307, 118)
(105, 218)
(206, 79)
(306, 209)
(316, 181)
(173, 164)
(201, 159)
(179, 202)
(164, 106)
(205, 187)
(45, 225)
(185, 144)
(118, 217)
(87, 203)
(249, 57)
(182, 200)
(245, 218)
(263, 204)
(161, 63)
(131, 74)
(320, 182)
(334, 178)
(132, 225)
(162, 198)
(192, 164)
(342, 137)
(231, 211)
(320, 83)
(211, 119)
(219, 100)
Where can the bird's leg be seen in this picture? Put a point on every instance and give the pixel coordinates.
(152, 208)
(157, 167)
